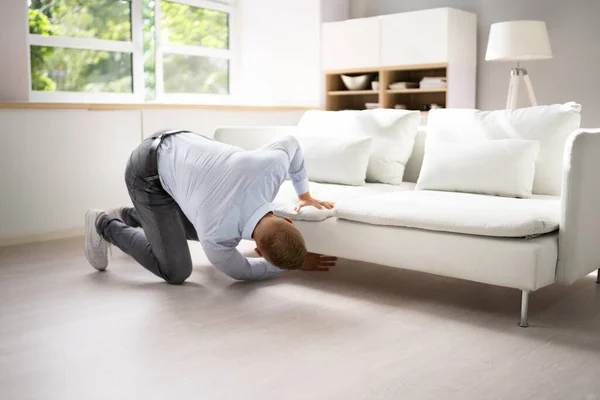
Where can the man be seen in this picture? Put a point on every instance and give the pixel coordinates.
(186, 186)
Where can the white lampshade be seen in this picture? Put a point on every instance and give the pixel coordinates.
(518, 40)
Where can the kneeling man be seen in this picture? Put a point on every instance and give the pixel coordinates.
(185, 186)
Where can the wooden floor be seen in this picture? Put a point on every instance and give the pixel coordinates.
(361, 332)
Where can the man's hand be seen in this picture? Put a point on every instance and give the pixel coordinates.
(318, 262)
(306, 200)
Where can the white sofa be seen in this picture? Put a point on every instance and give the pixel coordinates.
(524, 244)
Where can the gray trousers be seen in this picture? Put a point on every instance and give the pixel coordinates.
(162, 246)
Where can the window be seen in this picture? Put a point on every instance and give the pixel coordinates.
(193, 48)
(129, 50)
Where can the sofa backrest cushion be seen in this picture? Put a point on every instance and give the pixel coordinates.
(413, 166)
(253, 137)
(549, 125)
(341, 160)
(393, 133)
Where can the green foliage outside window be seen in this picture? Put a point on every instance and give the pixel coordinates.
(56, 68)
(39, 24)
(194, 26)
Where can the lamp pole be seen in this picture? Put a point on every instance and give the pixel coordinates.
(513, 87)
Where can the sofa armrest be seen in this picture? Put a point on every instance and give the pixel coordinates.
(251, 137)
(579, 235)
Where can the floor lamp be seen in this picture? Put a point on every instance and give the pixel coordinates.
(518, 41)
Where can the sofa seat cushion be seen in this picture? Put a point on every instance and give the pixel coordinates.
(456, 212)
(286, 198)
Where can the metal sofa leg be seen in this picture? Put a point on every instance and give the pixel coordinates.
(524, 309)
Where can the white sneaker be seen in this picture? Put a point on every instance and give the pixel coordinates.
(96, 248)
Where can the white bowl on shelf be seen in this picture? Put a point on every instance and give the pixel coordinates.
(360, 82)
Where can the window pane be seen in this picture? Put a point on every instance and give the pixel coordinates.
(149, 50)
(194, 74)
(194, 26)
(76, 70)
(99, 19)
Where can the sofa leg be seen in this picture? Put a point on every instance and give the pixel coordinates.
(524, 309)
(598, 277)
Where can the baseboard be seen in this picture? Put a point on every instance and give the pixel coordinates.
(42, 237)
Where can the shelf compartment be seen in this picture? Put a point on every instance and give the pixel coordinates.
(415, 100)
(352, 92)
(416, 91)
(356, 102)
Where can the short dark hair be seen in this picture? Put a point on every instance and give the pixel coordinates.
(285, 248)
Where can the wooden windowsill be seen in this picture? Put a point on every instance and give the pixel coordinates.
(141, 106)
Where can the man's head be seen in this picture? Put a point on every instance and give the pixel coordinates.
(280, 242)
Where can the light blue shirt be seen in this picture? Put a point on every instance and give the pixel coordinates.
(224, 191)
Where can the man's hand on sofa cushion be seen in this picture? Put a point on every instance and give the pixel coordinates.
(318, 262)
(306, 200)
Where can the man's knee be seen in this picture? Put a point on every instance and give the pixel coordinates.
(130, 216)
(178, 276)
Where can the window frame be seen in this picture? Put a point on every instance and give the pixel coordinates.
(191, 50)
(136, 48)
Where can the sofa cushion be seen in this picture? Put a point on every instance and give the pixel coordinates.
(549, 125)
(286, 198)
(456, 212)
(495, 167)
(341, 160)
(393, 133)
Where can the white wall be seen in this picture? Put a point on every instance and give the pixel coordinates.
(279, 49)
(14, 71)
(58, 163)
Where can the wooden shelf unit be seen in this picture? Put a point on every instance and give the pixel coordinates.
(337, 97)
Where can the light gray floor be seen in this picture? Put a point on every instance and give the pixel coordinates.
(361, 332)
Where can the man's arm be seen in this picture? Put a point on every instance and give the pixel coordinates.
(297, 172)
(227, 259)
(233, 263)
